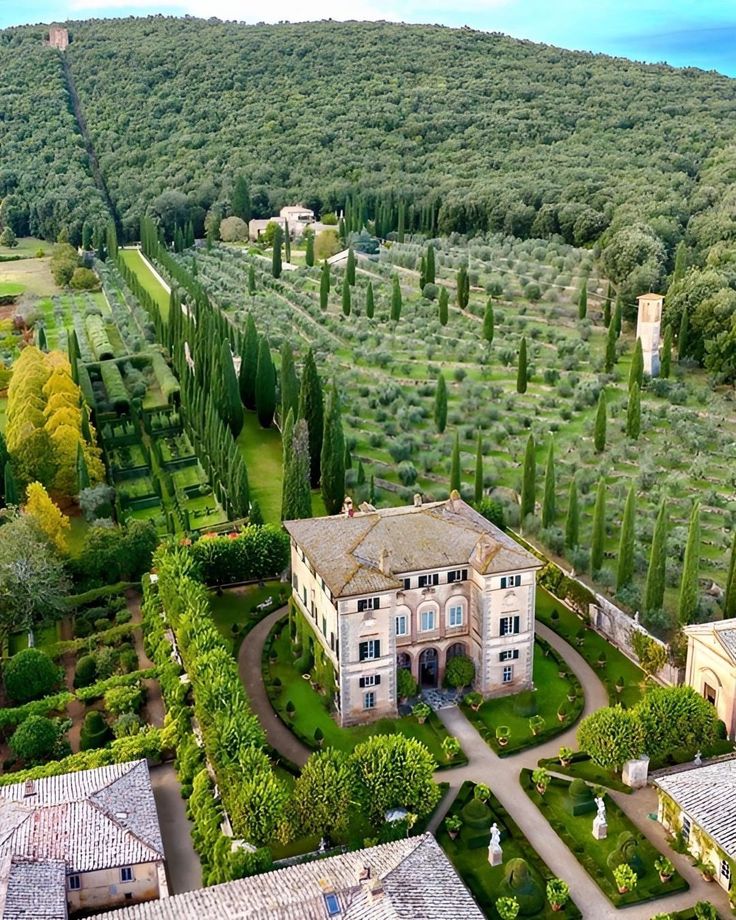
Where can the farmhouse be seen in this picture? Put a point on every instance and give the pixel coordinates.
(406, 878)
(81, 841)
(699, 803)
(711, 667)
(411, 588)
(297, 217)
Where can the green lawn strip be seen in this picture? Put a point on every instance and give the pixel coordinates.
(567, 625)
(44, 638)
(261, 450)
(551, 692)
(235, 613)
(135, 261)
(468, 853)
(582, 767)
(576, 832)
(311, 709)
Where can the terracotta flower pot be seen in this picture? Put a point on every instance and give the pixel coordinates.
(664, 878)
(623, 890)
(556, 907)
(502, 742)
(453, 834)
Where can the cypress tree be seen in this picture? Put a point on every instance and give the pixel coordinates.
(431, 272)
(665, 367)
(372, 490)
(654, 590)
(289, 382)
(636, 372)
(278, 240)
(112, 241)
(395, 299)
(348, 457)
(311, 409)
(350, 269)
(625, 567)
(607, 307)
(341, 230)
(82, 471)
(249, 364)
(287, 447)
(599, 436)
(521, 373)
(10, 486)
(478, 490)
(370, 306)
(287, 241)
(729, 608)
(682, 339)
(401, 224)
(680, 262)
(422, 273)
(346, 296)
(549, 504)
(618, 316)
(42, 343)
(251, 280)
(309, 253)
(633, 414)
(463, 287)
(324, 285)
(455, 472)
(332, 481)
(488, 322)
(440, 404)
(232, 405)
(241, 204)
(86, 432)
(360, 478)
(611, 356)
(529, 479)
(583, 300)
(298, 498)
(444, 303)
(598, 537)
(688, 603)
(265, 385)
(572, 520)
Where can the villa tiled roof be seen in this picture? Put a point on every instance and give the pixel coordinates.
(723, 630)
(92, 819)
(410, 879)
(707, 794)
(347, 552)
(33, 889)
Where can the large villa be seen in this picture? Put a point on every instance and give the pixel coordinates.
(410, 588)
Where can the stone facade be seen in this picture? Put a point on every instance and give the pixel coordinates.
(711, 667)
(419, 618)
(109, 888)
(59, 37)
(648, 327)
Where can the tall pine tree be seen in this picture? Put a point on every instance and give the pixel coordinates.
(370, 304)
(611, 357)
(241, 205)
(618, 316)
(350, 268)
(521, 372)
(311, 409)
(549, 502)
(297, 495)
(583, 300)
(680, 262)
(529, 479)
(309, 248)
(654, 590)
(324, 285)
(463, 287)
(265, 385)
(289, 382)
(440, 404)
(249, 364)
(346, 306)
(332, 481)
(729, 606)
(287, 241)
(625, 567)
(430, 270)
(287, 446)
(598, 537)
(683, 338)
(607, 304)
(251, 279)
(688, 602)
(572, 519)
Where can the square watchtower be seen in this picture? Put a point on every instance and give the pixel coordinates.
(648, 328)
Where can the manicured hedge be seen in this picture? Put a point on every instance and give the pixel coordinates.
(258, 552)
(165, 378)
(97, 335)
(117, 393)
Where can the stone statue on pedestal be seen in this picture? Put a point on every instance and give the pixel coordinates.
(600, 824)
(495, 853)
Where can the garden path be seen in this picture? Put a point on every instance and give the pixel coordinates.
(249, 665)
(182, 863)
(75, 709)
(154, 703)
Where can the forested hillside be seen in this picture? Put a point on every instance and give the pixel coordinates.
(475, 131)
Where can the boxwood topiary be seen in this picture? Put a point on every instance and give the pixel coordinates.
(95, 731)
(85, 672)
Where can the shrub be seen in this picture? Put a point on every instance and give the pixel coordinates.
(106, 661)
(30, 674)
(558, 893)
(460, 671)
(502, 734)
(126, 725)
(119, 700)
(507, 908)
(450, 746)
(541, 778)
(536, 724)
(123, 616)
(406, 686)
(421, 711)
(84, 279)
(95, 731)
(34, 739)
(704, 910)
(85, 672)
(625, 877)
(481, 792)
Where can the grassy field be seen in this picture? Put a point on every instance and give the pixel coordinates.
(593, 855)
(33, 274)
(261, 450)
(235, 611)
(27, 248)
(135, 261)
(311, 710)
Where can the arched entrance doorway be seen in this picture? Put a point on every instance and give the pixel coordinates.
(428, 668)
(403, 661)
(458, 648)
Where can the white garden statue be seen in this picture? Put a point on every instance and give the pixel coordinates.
(495, 835)
(495, 853)
(601, 816)
(600, 825)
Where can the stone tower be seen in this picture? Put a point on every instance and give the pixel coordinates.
(58, 37)
(648, 325)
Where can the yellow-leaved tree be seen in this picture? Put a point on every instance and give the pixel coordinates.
(49, 518)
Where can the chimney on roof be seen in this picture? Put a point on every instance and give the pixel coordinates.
(454, 495)
(347, 506)
(375, 890)
(365, 873)
(29, 788)
(417, 499)
(384, 562)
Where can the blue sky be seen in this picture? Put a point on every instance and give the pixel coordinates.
(701, 34)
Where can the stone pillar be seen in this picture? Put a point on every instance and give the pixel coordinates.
(636, 772)
(495, 855)
(648, 324)
(600, 828)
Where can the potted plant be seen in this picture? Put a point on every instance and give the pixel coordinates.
(565, 755)
(421, 711)
(406, 686)
(580, 637)
(619, 685)
(665, 868)
(536, 724)
(625, 877)
(481, 792)
(290, 709)
(562, 712)
(601, 661)
(502, 735)
(541, 778)
(453, 823)
(451, 746)
(558, 893)
(707, 871)
(507, 908)
(319, 736)
(474, 700)
(572, 693)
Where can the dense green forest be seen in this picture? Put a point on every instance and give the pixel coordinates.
(471, 131)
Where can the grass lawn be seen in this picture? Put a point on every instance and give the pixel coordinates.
(27, 247)
(468, 852)
(12, 288)
(76, 535)
(593, 855)
(135, 261)
(46, 636)
(236, 607)
(567, 624)
(311, 710)
(582, 767)
(261, 450)
(34, 276)
(551, 692)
